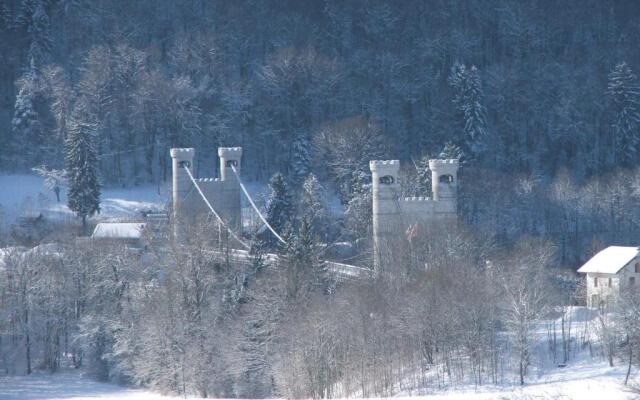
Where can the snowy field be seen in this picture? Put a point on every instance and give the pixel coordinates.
(68, 385)
(583, 380)
(25, 194)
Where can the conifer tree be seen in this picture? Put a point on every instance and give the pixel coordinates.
(359, 208)
(468, 98)
(26, 124)
(423, 175)
(33, 18)
(300, 161)
(450, 150)
(624, 93)
(280, 209)
(312, 206)
(81, 163)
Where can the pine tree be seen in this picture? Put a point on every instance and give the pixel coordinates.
(40, 34)
(424, 176)
(82, 164)
(280, 209)
(468, 97)
(300, 161)
(359, 208)
(450, 150)
(624, 93)
(33, 18)
(312, 206)
(26, 124)
(303, 269)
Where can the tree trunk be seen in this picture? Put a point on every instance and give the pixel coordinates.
(27, 337)
(521, 371)
(626, 378)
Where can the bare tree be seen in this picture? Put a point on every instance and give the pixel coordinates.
(524, 279)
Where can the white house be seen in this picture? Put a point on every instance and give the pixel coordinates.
(610, 270)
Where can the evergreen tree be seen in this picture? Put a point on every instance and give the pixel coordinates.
(303, 269)
(39, 31)
(312, 206)
(424, 175)
(624, 94)
(33, 18)
(81, 163)
(359, 208)
(300, 161)
(280, 209)
(26, 124)
(468, 97)
(450, 150)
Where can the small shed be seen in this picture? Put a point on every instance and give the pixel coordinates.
(128, 233)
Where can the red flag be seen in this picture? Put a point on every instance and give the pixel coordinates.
(412, 231)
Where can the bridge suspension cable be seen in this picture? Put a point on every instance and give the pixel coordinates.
(264, 220)
(246, 246)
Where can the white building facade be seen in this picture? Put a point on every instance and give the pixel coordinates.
(608, 272)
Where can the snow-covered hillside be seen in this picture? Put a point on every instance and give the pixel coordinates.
(25, 194)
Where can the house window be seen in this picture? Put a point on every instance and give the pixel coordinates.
(184, 164)
(609, 283)
(446, 179)
(232, 163)
(632, 280)
(595, 282)
(637, 268)
(386, 180)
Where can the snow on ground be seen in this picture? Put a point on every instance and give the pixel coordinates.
(583, 380)
(25, 194)
(67, 386)
(584, 377)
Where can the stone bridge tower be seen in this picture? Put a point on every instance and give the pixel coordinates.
(386, 210)
(393, 216)
(223, 193)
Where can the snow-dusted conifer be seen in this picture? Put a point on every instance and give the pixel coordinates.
(82, 166)
(33, 18)
(280, 206)
(312, 205)
(450, 150)
(26, 124)
(624, 93)
(468, 97)
(300, 161)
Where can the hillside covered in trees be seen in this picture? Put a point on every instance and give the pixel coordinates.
(538, 100)
(526, 91)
